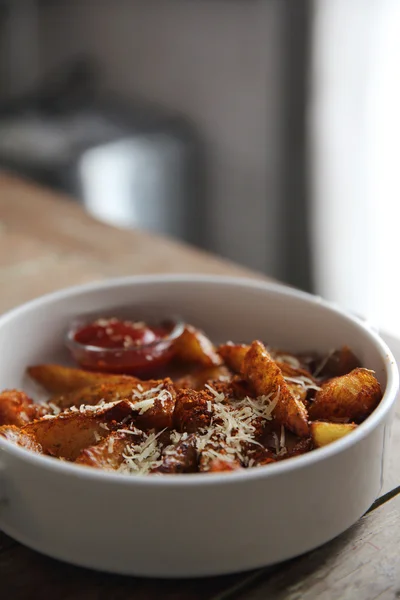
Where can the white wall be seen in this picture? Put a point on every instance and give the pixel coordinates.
(355, 131)
(218, 62)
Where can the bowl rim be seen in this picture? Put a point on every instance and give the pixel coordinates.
(233, 478)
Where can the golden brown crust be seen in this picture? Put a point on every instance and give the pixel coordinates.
(109, 452)
(57, 379)
(351, 397)
(267, 379)
(67, 435)
(191, 410)
(109, 391)
(233, 355)
(16, 408)
(193, 346)
(21, 438)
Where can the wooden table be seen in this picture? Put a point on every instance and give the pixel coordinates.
(48, 242)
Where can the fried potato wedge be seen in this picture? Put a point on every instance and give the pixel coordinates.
(17, 436)
(348, 398)
(109, 453)
(265, 376)
(218, 465)
(180, 459)
(109, 391)
(161, 414)
(61, 380)
(66, 435)
(192, 410)
(233, 355)
(323, 433)
(193, 346)
(338, 363)
(16, 408)
(199, 378)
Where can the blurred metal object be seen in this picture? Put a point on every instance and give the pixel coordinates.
(139, 180)
(131, 165)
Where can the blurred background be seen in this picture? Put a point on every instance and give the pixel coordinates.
(263, 130)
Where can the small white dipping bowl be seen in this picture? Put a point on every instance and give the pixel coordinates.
(199, 524)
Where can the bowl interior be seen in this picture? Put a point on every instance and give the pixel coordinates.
(227, 309)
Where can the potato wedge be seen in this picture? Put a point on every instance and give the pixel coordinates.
(17, 436)
(233, 355)
(197, 379)
(67, 435)
(338, 363)
(348, 398)
(16, 408)
(193, 346)
(180, 459)
(191, 410)
(161, 414)
(61, 380)
(109, 391)
(218, 465)
(325, 433)
(262, 372)
(108, 454)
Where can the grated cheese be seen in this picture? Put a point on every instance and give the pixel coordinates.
(141, 458)
(56, 409)
(288, 359)
(233, 426)
(304, 381)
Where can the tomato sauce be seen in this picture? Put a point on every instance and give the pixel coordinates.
(117, 346)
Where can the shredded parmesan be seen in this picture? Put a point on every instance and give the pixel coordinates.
(289, 359)
(233, 425)
(141, 458)
(56, 409)
(304, 381)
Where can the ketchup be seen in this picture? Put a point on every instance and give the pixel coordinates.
(125, 347)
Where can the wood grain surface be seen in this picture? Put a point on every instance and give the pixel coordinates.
(48, 242)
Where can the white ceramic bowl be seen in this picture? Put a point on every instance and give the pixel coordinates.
(193, 525)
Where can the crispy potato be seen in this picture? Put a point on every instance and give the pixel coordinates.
(212, 458)
(109, 391)
(348, 398)
(61, 380)
(267, 379)
(68, 434)
(193, 346)
(325, 433)
(180, 459)
(218, 465)
(191, 410)
(21, 438)
(16, 408)
(233, 355)
(199, 378)
(109, 453)
(161, 414)
(338, 363)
